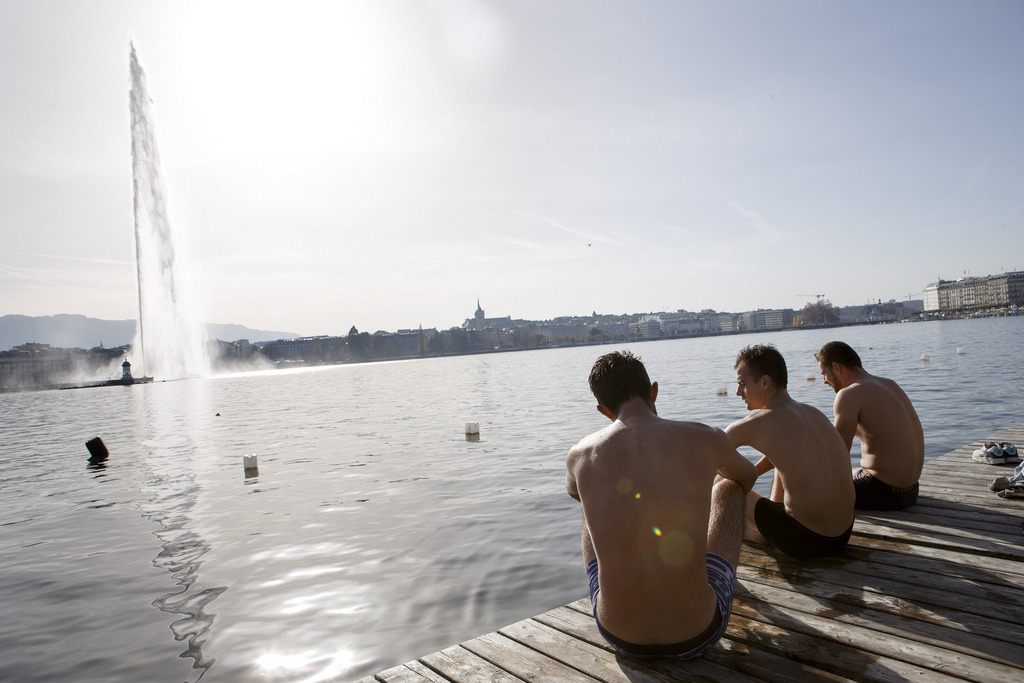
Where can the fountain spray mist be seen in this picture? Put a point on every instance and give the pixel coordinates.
(170, 339)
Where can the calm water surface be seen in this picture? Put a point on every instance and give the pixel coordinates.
(375, 532)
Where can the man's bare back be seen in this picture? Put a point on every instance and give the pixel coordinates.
(812, 467)
(810, 511)
(645, 485)
(881, 415)
(660, 537)
(878, 412)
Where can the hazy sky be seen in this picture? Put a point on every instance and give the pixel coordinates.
(384, 163)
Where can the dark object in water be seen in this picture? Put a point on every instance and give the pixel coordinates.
(97, 451)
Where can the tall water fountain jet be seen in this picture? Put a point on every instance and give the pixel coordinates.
(170, 339)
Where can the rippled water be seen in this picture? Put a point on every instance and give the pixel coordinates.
(375, 532)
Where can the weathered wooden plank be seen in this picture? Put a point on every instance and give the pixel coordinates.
(765, 665)
(740, 659)
(970, 472)
(1012, 510)
(427, 673)
(877, 613)
(938, 538)
(926, 526)
(973, 476)
(1002, 528)
(594, 661)
(581, 628)
(401, 674)
(521, 661)
(1004, 515)
(997, 565)
(972, 484)
(458, 664)
(824, 644)
(763, 631)
(946, 576)
(915, 589)
(951, 564)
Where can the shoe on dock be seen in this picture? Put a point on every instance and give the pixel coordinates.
(1009, 452)
(1012, 492)
(1015, 479)
(991, 453)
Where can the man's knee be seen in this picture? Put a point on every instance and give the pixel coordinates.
(728, 493)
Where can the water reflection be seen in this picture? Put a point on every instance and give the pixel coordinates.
(169, 494)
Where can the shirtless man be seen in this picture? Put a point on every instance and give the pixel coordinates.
(877, 411)
(662, 512)
(810, 511)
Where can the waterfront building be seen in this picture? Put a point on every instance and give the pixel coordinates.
(770, 319)
(648, 327)
(975, 293)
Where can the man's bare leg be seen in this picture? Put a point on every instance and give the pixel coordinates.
(778, 494)
(726, 526)
(750, 531)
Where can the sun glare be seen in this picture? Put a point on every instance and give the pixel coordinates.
(277, 665)
(255, 81)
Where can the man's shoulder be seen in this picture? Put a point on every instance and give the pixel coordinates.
(695, 429)
(747, 428)
(760, 415)
(590, 441)
(866, 386)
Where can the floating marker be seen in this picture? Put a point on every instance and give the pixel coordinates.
(810, 376)
(722, 391)
(924, 356)
(249, 463)
(472, 428)
(97, 451)
(961, 352)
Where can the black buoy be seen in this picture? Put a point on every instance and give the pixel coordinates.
(97, 451)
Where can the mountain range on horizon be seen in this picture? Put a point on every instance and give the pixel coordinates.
(80, 332)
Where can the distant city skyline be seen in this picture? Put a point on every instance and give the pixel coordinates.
(382, 164)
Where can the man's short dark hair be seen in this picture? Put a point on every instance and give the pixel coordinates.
(838, 352)
(617, 377)
(764, 359)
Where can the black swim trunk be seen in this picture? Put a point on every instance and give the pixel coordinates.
(790, 536)
(875, 494)
(721, 578)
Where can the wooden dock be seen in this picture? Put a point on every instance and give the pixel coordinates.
(933, 593)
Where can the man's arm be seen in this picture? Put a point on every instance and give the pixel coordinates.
(570, 476)
(847, 413)
(732, 465)
(763, 465)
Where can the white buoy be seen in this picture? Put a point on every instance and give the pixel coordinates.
(472, 428)
(961, 352)
(810, 376)
(722, 391)
(924, 356)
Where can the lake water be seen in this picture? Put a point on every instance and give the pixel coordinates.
(375, 532)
